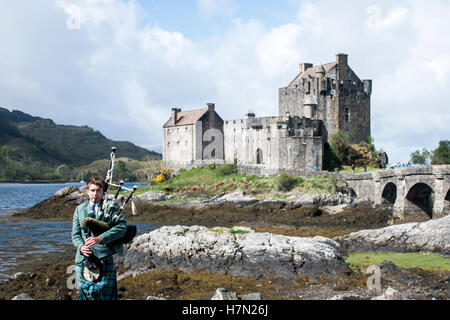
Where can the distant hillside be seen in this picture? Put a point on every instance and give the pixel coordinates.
(79, 145)
(31, 147)
(14, 145)
(17, 116)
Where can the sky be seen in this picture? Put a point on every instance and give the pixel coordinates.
(120, 66)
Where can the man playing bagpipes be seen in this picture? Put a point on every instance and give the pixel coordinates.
(99, 231)
(96, 273)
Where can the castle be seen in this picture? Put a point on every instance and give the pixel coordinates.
(319, 101)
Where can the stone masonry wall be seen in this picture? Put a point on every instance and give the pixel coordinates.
(178, 146)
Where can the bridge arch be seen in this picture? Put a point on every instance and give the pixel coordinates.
(419, 200)
(389, 194)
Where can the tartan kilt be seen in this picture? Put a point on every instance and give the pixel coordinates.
(105, 289)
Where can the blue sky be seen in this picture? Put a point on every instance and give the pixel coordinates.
(197, 21)
(119, 66)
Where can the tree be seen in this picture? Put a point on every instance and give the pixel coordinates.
(340, 143)
(418, 157)
(121, 171)
(332, 161)
(369, 143)
(442, 154)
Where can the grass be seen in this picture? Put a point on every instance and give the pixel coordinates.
(422, 260)
(358, 169)
(210, 181)
(231, 231)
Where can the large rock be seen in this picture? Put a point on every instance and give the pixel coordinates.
(238, 198)
(237, 251)
(390, 294)
(66, 191)
(224, 294)
(321, 199)
(155, 196)
(71, 193)
(432, 236)
(22, 296)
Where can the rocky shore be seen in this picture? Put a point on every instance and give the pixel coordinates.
(235, 251)
(429, 236)
(233, 245)
(337, 210)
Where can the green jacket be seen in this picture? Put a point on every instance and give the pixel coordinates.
(78, 237)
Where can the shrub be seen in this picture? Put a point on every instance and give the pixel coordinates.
(286, 182)
(227, 169)
(332, 161)
(164, 175)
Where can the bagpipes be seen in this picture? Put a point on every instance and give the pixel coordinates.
(109, 214)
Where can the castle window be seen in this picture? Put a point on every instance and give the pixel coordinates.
(347, 114)
(308, 89)
(259, 156)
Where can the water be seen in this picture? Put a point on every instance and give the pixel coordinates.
(14, 196)
(21, 239)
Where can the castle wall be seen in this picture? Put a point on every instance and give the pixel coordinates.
(354, 114)
(252, 141)
(178, 145)
(275, 142)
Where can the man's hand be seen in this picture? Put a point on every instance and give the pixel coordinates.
(93, 240)
(86, 249)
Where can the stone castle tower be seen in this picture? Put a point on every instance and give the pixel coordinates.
(333, 93)
(319, 101)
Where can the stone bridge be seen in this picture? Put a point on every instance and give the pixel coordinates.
(417, 193)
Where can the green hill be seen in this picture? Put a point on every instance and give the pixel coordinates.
(79, 146)
(32, 148)
(17, 116)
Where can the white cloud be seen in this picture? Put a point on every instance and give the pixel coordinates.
(210, 8)
(279, 49)
(376, 21)
(440, 66)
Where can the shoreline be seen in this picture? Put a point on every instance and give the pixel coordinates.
(45, 277)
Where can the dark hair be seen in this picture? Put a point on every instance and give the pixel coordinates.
(98, 181)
